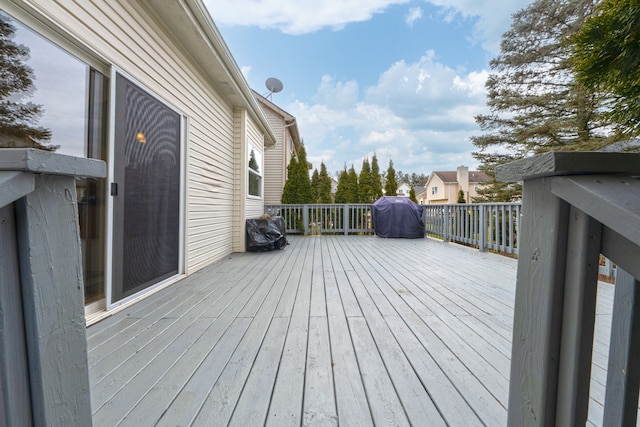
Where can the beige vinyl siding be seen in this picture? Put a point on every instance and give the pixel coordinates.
(122, 34)
(275, 158)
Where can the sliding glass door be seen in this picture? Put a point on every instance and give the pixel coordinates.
(145, 191)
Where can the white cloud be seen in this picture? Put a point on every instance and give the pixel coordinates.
(427, 89)
(420, 115)
(337, 94)
(296, 17)
(414, 14)
(494, 17)
(473, 83)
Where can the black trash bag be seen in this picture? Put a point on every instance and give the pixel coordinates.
(266, 234)
(397, 217)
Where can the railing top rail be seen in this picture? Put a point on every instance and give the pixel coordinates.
(556, 163)
(40, 161)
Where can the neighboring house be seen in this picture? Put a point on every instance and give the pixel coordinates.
(403, 190)
(443, 187)
(334, 187)
(277, 157)
(421, 196)
(150, 87)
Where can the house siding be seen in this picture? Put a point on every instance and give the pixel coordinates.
(123, 34)
(276, 157)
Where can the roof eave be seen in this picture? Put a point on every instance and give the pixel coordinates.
(195, 31)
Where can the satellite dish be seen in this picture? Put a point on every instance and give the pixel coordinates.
(273, 86)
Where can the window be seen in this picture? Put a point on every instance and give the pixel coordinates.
(60, 105)
(434, 190)
(255, 174)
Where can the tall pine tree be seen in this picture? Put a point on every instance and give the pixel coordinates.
(606, 57)
(353, 186)
(536, 104)
(365, 183)
(290, 190)
(324, 185)
(315, 186)
(341, 191)
(304, 189)
(390, 185)
(375, 174)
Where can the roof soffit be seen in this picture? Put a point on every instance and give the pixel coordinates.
(195, 32)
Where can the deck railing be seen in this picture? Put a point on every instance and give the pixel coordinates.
(487, 226)
(576, 206)
(44, 373)
(325, 218)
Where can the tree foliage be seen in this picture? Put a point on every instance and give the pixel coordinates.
(606, 57)
(366, 183)
(352, 186)
(461, 198)
(535, 103)
(412, 195)
(376, 179)
(18, 119)
(297, 188)
(341, 191)
(324, 186)
(390, 185)
(315, 186)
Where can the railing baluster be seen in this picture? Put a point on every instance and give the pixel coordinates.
(623, 373)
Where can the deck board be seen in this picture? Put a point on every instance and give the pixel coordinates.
(332, 330)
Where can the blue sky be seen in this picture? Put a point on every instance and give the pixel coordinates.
(399, 78)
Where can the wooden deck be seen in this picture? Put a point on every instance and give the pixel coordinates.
(331, 330)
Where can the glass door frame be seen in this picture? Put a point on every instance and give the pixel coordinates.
(109, 292)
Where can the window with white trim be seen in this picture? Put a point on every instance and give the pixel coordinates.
(255, 174)
(434, 190)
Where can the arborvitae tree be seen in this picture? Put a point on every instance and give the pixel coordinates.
(536, 104)
(290, 190)
(606, 57)
(390, 185)
(365, 183)
(412, 195)
(341, 191)
(304, 185)
(375, 174)
(353, 186)
(315, 186)
(18, 119)
(461, 198)
(324, 185)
